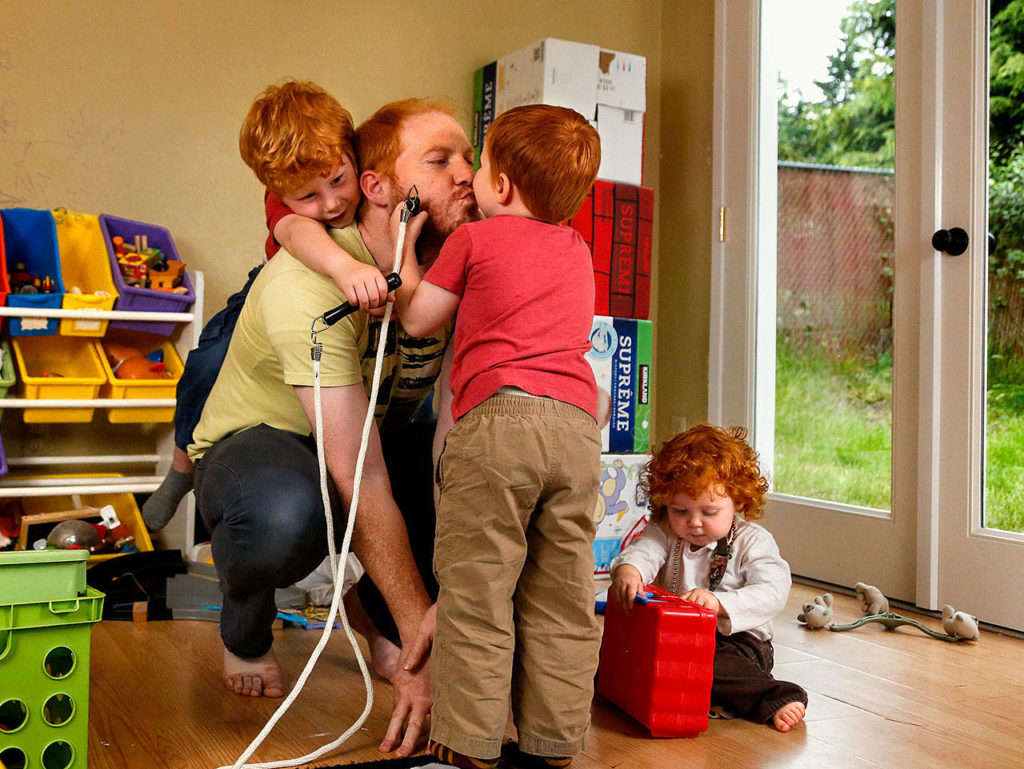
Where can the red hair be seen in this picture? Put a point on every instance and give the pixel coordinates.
(378, 140)
(706, 459)
(293, 133)
(550, 154)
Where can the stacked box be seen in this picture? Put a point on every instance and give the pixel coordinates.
(133, 298)
(617, 222)
(46, 618)
(58, 368)
(620, 356)
(124, 504)
(621, 511)
(30, 245)
(85, 270)
(164, 387)
(606, 87)
(658, 665)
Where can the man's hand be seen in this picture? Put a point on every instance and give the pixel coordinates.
(703, 598)
(419, 650)
(626, 583)
(363, 284)
(412, 706)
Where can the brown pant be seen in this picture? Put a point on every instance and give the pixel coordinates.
(743, 682)
(514, 559)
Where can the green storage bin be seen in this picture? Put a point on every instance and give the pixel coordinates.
(30, 576)
(44, 681)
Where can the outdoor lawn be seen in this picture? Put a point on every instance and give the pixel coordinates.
(833, 423)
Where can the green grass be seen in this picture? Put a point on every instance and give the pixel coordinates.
(833, 434)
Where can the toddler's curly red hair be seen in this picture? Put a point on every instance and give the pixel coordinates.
(293, 133)
(705, 459)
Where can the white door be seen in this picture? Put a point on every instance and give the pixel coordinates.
(928, 544)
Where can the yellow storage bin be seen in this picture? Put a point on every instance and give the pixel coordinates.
(85, 269)
(116, 387)
(123, 503)
(57, 367)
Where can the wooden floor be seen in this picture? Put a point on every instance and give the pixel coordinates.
(877, 699)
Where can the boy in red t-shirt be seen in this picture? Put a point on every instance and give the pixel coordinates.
(297, 139)
(520, 470)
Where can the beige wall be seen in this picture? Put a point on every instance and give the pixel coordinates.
(133, 109)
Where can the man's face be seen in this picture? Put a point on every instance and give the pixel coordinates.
(437, 157)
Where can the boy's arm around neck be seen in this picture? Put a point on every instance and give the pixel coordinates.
(309, 242)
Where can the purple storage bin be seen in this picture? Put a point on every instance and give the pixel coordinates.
(30, 238)
(144, 299)
(3, 459)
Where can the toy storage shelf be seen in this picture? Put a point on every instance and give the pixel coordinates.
(158, 461)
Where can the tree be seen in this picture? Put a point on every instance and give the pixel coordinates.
(853, 125)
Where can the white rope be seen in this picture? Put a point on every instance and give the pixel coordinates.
(337, 606)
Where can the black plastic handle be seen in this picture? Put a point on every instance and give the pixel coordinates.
(333, 316)
(953, 241)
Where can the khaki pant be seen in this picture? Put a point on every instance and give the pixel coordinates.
(514, 559)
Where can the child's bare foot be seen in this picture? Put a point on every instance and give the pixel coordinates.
(257, 677)
(788, 716)
(384, 658)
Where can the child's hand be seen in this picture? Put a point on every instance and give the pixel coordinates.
(703, 598)
(363, 284)
(626, 583)
(412, 231)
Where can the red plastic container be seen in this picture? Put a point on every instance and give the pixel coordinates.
(658, 663)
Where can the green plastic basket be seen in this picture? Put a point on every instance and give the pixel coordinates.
(28, 576)
(44, 664)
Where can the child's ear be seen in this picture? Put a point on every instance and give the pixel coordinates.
(503, 190)
(375, 188)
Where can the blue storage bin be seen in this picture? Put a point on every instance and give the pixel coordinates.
(30, 239)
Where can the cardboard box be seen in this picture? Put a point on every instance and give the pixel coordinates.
(616, 221)
(606, 87)
(622, 80)
(622, 144)
(620, 356)
(621, 511)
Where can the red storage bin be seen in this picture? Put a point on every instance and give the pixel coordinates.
(658, 663)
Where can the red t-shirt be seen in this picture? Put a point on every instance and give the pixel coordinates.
(276, 211)
(526, 310)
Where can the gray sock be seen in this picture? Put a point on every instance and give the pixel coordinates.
(162, 503)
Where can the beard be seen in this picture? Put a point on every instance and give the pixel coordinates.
(444, 217)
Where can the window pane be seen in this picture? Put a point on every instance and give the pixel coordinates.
(833, 411)
(1004, 455)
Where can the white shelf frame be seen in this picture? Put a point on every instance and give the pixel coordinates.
(160, 460)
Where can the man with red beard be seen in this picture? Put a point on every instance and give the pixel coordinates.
(257, 479)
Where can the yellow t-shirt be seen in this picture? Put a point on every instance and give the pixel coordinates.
(269, 353)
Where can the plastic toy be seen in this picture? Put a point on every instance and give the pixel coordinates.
(871, 599)
(658, 663)
(959, 626)
(819, 613)
(129, 363)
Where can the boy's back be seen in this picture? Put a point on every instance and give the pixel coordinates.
(526, 311)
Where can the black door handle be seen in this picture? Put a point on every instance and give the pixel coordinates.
(953, 241)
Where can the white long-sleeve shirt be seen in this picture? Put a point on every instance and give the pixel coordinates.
(753, 590)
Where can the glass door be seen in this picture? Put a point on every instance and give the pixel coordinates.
(819, 240)
(882, 376)
(978, 396)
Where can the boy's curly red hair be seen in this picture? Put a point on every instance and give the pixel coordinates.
(293, 133)
(705, 459)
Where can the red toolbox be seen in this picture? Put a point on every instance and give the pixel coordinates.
(657, 664)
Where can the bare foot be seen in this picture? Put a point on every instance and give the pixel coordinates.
(384, 658)
(788, 716)
(257, 677)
